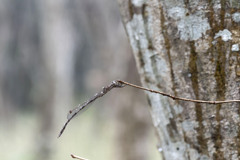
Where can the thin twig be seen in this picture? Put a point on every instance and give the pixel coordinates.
(77, 157)
(121, 84)
(178, 98)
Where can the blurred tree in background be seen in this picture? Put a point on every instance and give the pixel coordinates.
(52, 53)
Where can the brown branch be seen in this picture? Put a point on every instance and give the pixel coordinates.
(120, 84)
(177, 98)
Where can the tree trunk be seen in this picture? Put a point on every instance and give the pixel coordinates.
(189, 49)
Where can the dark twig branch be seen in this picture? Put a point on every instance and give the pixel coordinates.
(178, 98)
(120, 84)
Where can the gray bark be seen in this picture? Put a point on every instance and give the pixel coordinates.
(134, 121)
(189, 49)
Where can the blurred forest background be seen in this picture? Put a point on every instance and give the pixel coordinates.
(54, 55)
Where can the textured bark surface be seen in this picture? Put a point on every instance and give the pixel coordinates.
(189, 49)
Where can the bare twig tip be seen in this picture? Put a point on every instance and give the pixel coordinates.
(77, 157)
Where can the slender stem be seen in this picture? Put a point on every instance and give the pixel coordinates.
(121, 84)
(177, 98)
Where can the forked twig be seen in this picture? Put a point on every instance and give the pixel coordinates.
(120, 84)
